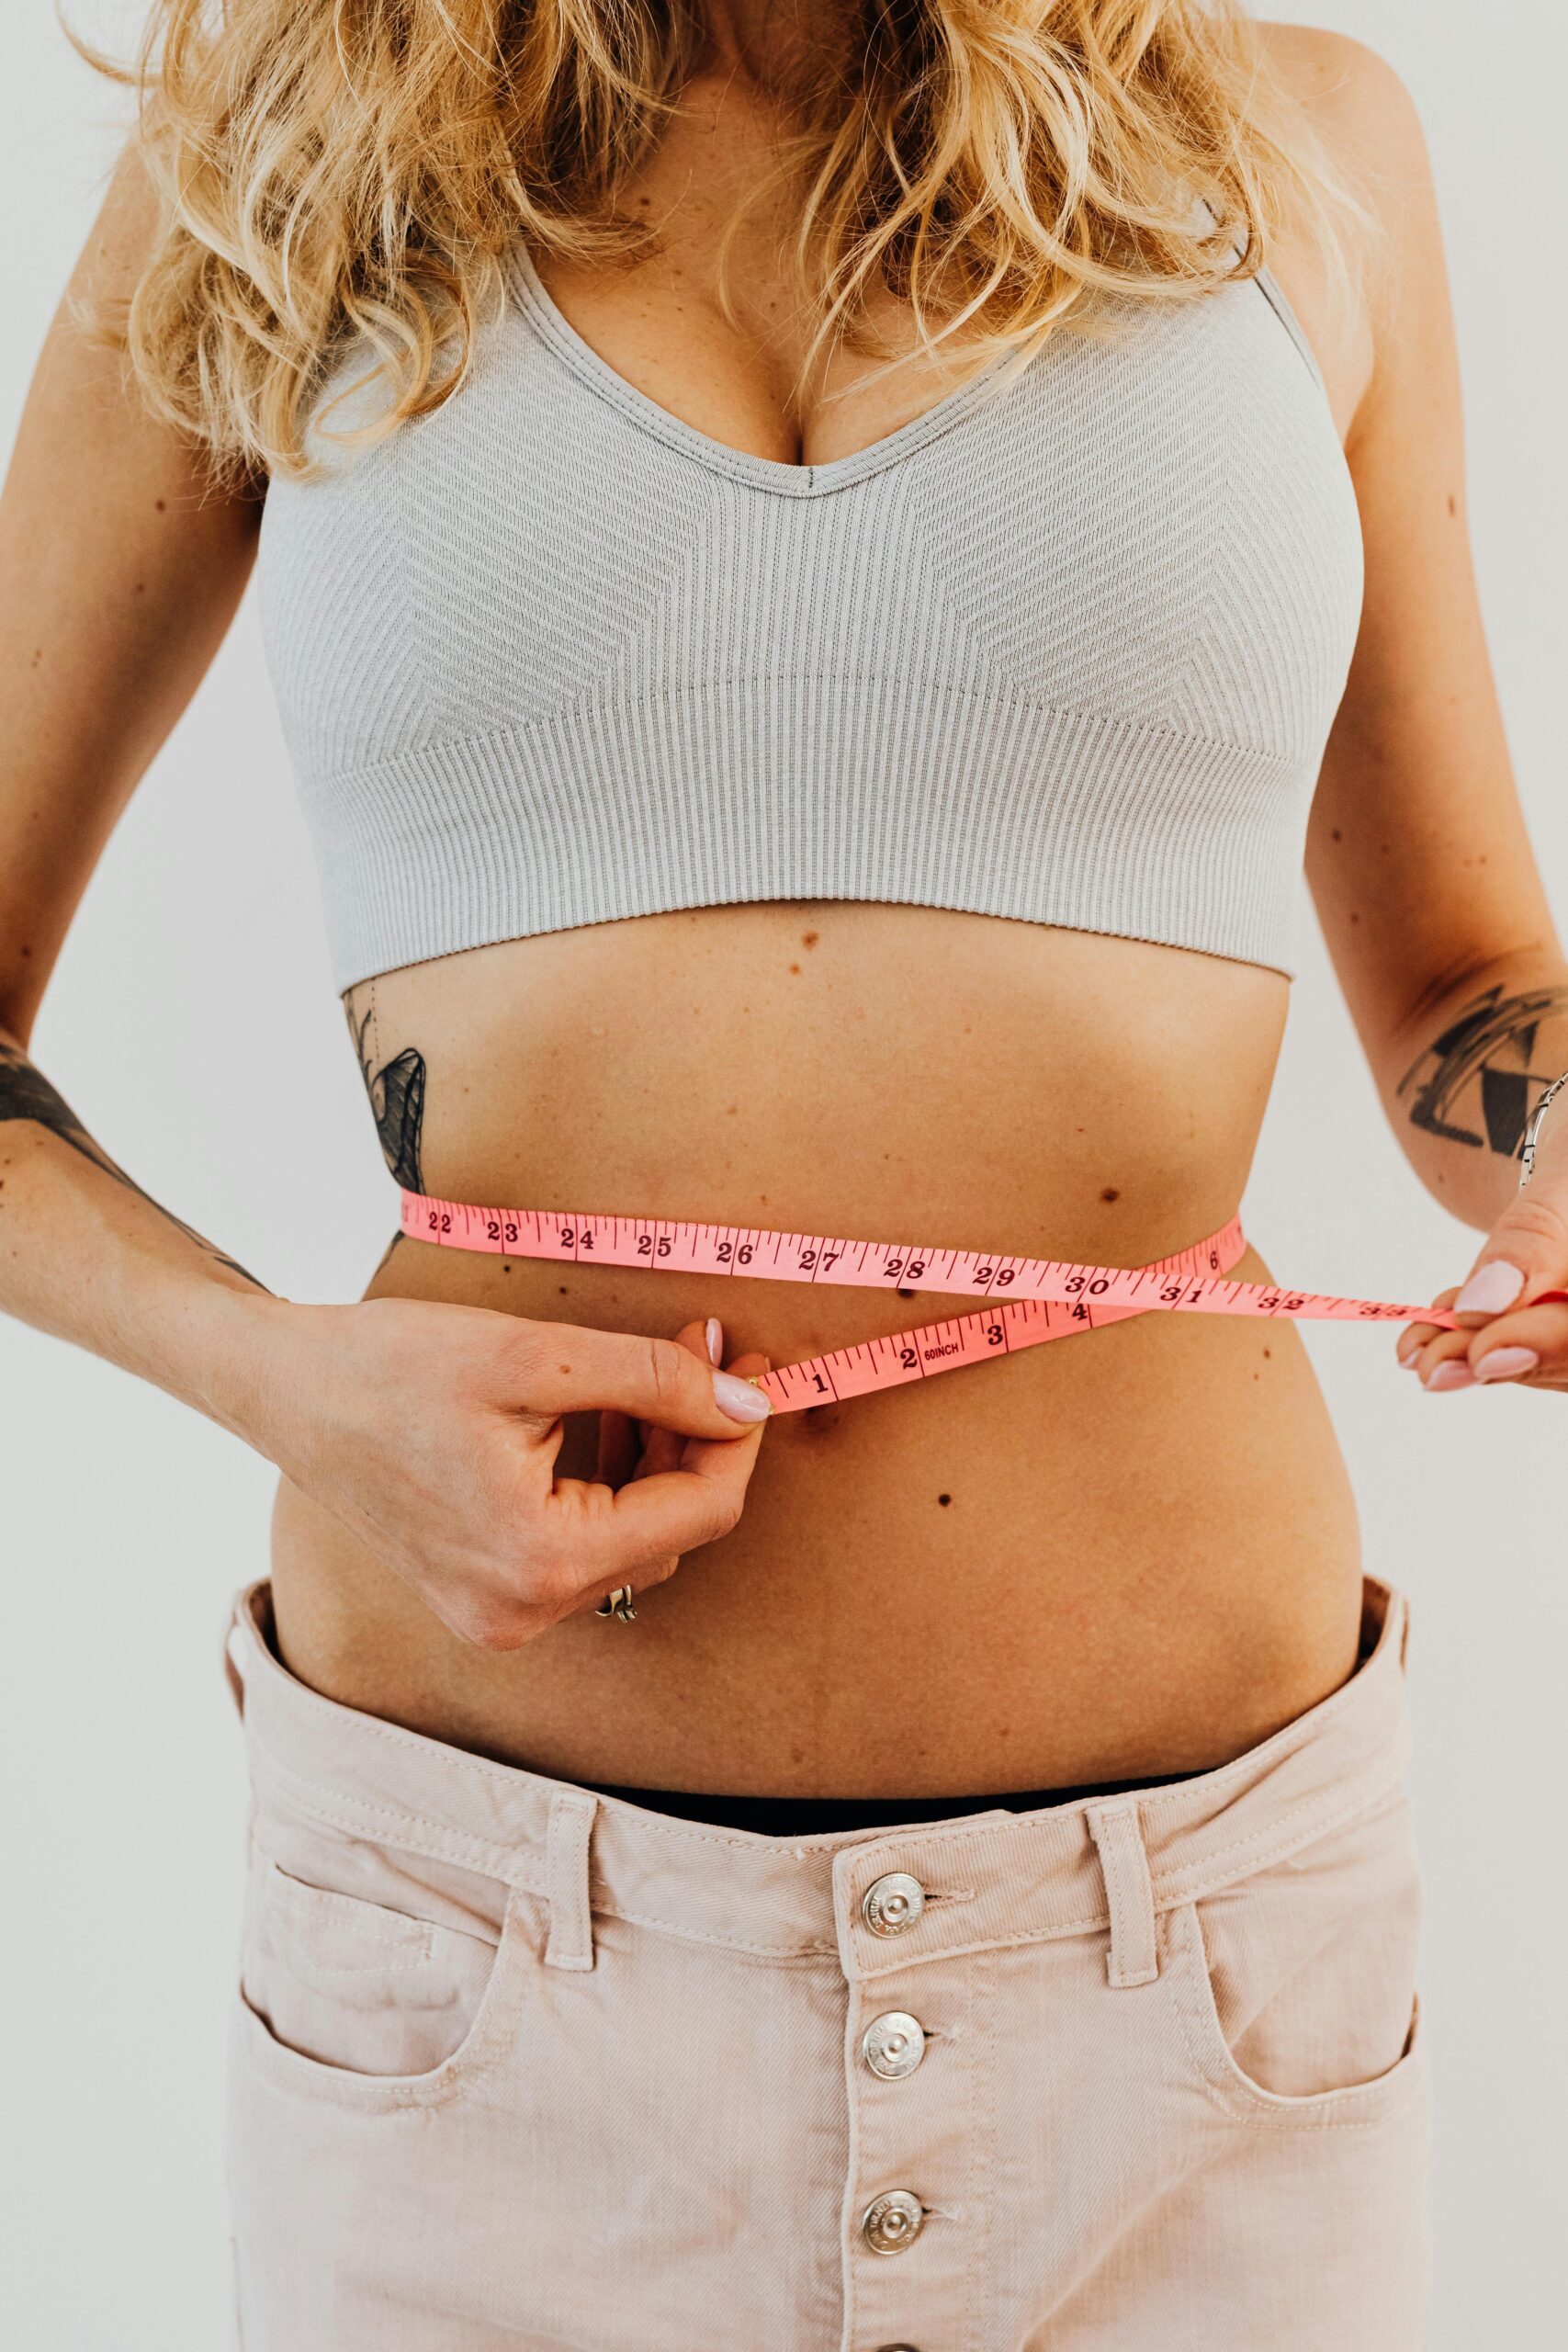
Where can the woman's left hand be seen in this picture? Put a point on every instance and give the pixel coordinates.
(1515, 1299)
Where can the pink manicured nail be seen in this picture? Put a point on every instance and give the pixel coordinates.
(737, 1397)
(1452, 1373)
(1507, 1364)
(1409, 1362)
(1490, 1289)
(714, 1333)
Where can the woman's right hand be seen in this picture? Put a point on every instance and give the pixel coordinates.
(432, 1431)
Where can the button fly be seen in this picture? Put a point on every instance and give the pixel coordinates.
(891, 1904)
(894, 2044)
(892, 2221)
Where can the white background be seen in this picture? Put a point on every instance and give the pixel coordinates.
(193, 1025)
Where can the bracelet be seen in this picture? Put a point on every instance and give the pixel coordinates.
(1527, 1150)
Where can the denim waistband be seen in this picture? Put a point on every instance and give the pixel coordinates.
(822, 1816)
(989, 1878)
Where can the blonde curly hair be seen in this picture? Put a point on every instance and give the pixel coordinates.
(333, 168)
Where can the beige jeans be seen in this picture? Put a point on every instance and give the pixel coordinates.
(519, 2066)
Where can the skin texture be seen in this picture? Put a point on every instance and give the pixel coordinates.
(1131, 1554)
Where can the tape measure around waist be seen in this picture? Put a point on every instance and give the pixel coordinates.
(1029, 1300)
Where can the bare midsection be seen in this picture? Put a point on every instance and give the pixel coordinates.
(1130, 1552)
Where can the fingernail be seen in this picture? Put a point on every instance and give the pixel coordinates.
(1452, 1373)
(1409, 1362)
(714, 1333)
(739, 1399)
(1507, 1364)
(1490, 1289)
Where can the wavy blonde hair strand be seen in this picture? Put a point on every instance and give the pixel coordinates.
(329, 169)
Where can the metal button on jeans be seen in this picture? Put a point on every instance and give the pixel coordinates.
(894, 2044)
(891, 1904)
(892, 2221)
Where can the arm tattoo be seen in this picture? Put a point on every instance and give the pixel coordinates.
(25, 1093)
(1473, 1084)
(396, 1092)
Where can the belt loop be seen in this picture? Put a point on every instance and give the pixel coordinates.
(570, 1940)
(1134, 1958)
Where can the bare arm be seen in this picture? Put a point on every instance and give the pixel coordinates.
(121, 569)
(1417, 853)
(431, 1430)
(1418, 856)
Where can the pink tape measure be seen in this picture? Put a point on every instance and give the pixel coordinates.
(1029, 1300)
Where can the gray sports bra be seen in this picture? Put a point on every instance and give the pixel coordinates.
(1064, 648)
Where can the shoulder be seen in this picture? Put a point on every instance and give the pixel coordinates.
(1356, 103)
(1369, 132)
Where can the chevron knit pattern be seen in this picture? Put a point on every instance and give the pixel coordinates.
(1064, 648)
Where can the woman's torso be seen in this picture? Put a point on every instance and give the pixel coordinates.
(1129, 1553)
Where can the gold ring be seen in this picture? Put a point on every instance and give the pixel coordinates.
(618, 1604)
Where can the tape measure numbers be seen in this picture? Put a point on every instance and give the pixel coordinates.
(1029, 1300)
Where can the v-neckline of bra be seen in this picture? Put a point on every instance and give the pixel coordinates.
(774, 474)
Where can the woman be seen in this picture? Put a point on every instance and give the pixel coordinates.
(849, 539)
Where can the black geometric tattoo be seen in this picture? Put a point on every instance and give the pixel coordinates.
(1475, 1084)
(25, 1093)
(396, 1096)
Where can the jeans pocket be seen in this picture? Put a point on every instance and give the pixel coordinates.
(1296, 1987)
(344, 1997)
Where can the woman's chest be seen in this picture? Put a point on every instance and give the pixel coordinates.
(1153, 524)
